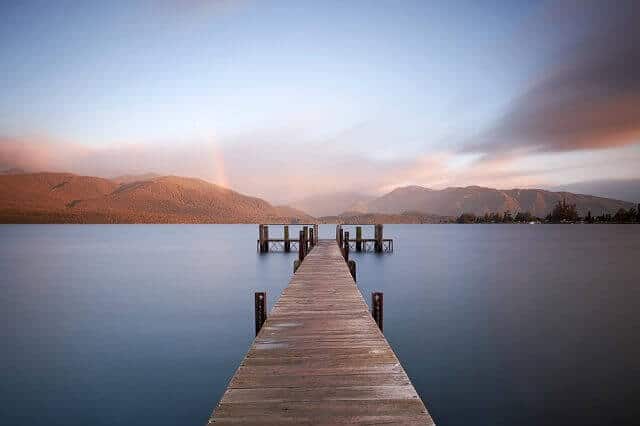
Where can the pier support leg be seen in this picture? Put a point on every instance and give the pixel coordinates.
(376, 307)
(301, 246)
(345, 250)
(260, 309)
(358, 238)
(287, 243)
(352, 269)
(265, 237)
(378, 237)
(296, 265)
(316, 233)
(312, 241)
(306, 239)
(260, 237)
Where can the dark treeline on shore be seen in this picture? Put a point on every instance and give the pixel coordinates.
(562, 212)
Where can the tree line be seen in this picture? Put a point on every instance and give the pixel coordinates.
(562, 212)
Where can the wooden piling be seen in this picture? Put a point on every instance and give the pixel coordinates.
(358, 238)
(312, 241)
(260, 309)
(316, 233)
(287, 243)
(265, 233)
(378, 237)
(345, 250)
(301, 251)
(306, 239)
(260, 238)
(377, 307)
(296, 265)
(352, 268)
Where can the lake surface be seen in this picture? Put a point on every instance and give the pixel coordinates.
(145, 324)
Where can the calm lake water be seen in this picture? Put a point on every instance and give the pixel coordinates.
(145, 324)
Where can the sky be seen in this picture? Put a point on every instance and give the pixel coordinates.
(286, 99)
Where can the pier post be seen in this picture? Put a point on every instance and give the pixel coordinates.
(352, 269)
(296, 265)
(265, 233)
(260, 309)
(316, 233)
(376, 307)
(312, 241)
(341, 237)
(260, 237)
(358, 238)
(345, 251)
(378, 237)
(306, 239)
(287, 243)
(301, 244)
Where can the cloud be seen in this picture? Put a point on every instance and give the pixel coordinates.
(587, 99)
(202, 159)
(272, 168)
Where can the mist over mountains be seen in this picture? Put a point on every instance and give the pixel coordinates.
(69, 198)
(479, 200)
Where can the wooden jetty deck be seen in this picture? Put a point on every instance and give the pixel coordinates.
(265, 244)
(320, 358)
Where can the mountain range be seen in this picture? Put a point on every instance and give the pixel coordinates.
(69, 198)
(479, 200)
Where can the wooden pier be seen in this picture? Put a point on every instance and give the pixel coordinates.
(265, 244)
(320, 358)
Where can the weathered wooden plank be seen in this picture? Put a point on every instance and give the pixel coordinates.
(236, 395)
(320, 358)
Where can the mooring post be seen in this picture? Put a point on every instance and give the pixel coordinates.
(306, 239)
(358, 238)
(341, 238)
(261, 309)
(287, 243)
(260, 237)
(345, 251)
(378, 237)
(265, 232)
(352, 269)
(376, 307)
(316, 233)
(296, 265)
(301, 252)
(312, 241)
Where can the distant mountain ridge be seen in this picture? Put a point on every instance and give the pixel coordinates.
(69, 198)
(331, 204)
(479, 200)
(135, 178)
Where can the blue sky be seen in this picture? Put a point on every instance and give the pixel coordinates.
(393, 84)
